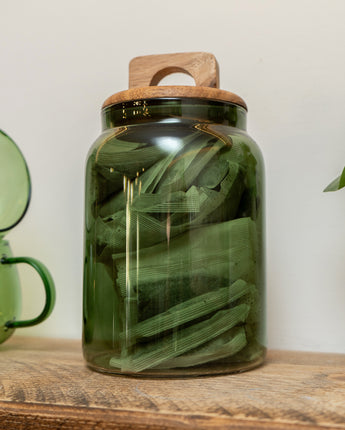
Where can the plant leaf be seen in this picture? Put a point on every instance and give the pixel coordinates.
(220, 250)
(337, 184)
(226, 345)
(189, 310)
(185, 340)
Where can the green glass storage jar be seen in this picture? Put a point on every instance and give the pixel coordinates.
(174, 270)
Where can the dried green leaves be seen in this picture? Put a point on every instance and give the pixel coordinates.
(176, 238)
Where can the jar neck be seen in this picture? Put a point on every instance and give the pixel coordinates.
(174, 110)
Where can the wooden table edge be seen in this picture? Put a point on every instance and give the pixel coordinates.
(30, 416)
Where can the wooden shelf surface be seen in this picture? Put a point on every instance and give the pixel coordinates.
(44, 383)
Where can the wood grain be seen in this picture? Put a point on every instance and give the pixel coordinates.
(45, 383)
(172, 91)
(149, 70)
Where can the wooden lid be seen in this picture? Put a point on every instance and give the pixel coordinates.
(146, 72)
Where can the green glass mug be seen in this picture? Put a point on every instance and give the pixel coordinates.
(14, 200)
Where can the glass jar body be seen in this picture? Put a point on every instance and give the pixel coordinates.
(174, 276)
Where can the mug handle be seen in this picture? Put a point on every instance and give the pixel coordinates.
(48, 286)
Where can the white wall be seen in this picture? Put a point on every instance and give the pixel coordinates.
(60, 60)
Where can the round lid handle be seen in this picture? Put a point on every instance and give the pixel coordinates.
(15, 184)
(149, 70)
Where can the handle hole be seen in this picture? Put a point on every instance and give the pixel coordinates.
(173, 78)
